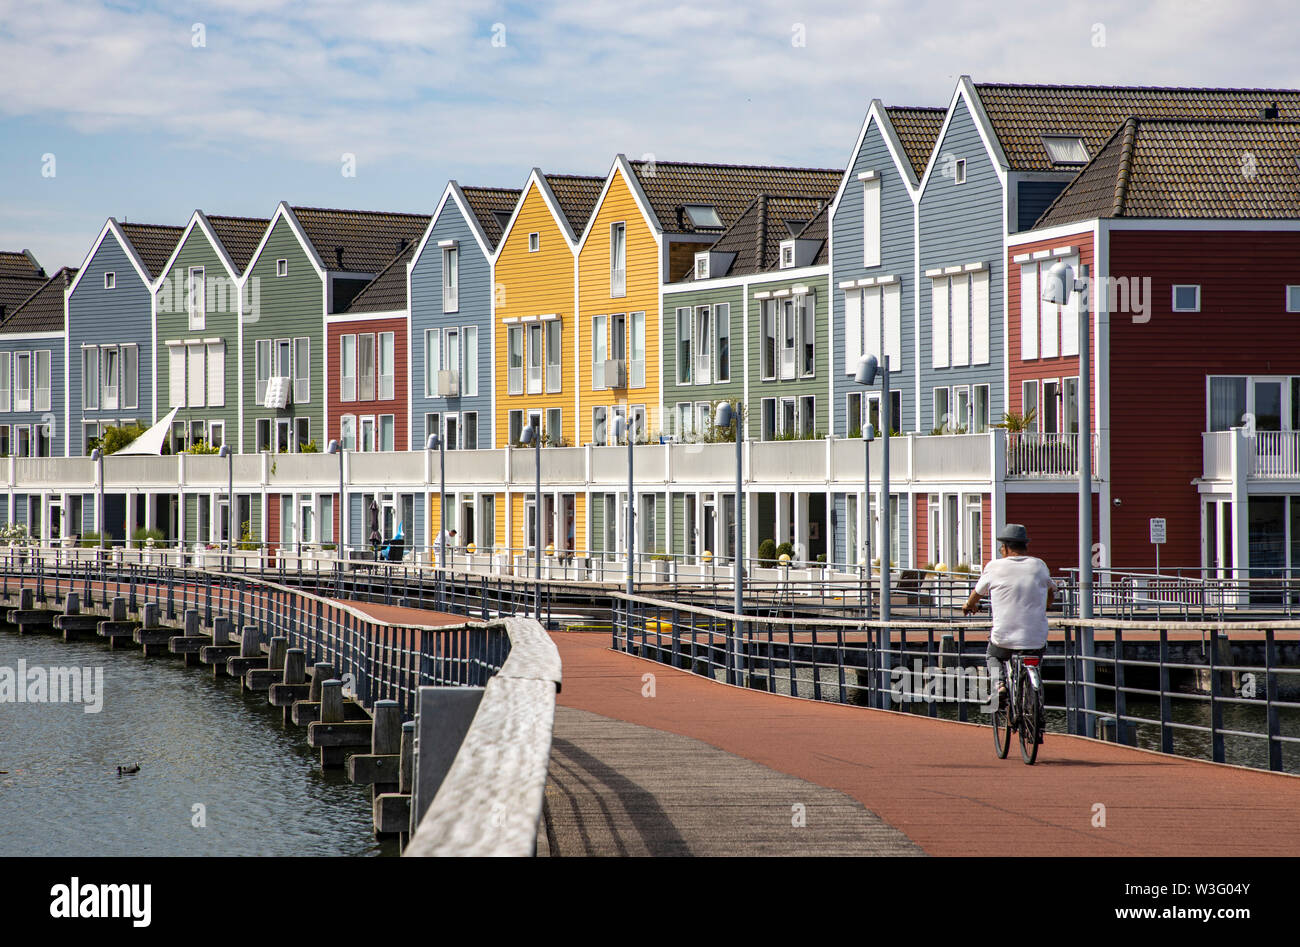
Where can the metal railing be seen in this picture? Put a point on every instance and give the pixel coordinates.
(1140, 678)
(1038, 454)
(1277, 455)
(1192, 594)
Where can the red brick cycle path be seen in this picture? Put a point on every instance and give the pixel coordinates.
(940, 783)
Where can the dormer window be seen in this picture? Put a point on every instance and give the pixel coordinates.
(701, 266)
(787, 254)
(702, 216)
(793, 227)
(1065, 149)
(110, 280)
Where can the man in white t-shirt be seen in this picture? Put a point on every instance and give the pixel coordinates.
(1020, 590)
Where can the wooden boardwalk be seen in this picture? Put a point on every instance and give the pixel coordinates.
(936, 782)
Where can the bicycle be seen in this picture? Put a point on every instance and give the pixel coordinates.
(1024, 712)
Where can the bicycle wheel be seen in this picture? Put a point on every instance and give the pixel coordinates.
(1031, 720)
(1002, 729)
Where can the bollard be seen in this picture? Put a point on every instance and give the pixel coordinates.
(250, 646)
(948, 651)
(72, 604)
(406, 766)
(117, 610)
(324, 672)
(149, 615)
(191, 622)
(295, 666)
(221, 631)
(1107, 729)
(26, 599)
(331, 701)
(279, 647)
(386, 733)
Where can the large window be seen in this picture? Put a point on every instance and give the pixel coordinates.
(598, 432)
(872, 325)
(684, 346)
(722, 317)
(1047, 330)
(767, 330)
(703, 344)
(23, 382)
(515, 360)
(636, 361)
(554, 350)
(387, 371)
(301, 370)
(347, 432)
(535, 358)
(196, 375)
(789, 328)
(599, 350)
(6, 384)
(89, 377)
(366, 367)
(348, 367)
(807, 335)
(959, 319)
(469, 383)
(262, 365)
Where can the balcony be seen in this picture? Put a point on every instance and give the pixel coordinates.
(1276, 455)
(1260, 455)
(1033, 455)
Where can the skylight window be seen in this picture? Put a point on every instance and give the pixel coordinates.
(795, 226)
(1065, 149)
(702, 216)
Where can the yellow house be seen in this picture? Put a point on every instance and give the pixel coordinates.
(535, 338)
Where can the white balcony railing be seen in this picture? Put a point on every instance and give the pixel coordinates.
(1034, 454)
(1277, 455)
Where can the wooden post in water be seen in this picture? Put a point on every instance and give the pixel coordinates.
(221, 631)
(295, 666)
(331, 701)
(250, 645)
(279, 648)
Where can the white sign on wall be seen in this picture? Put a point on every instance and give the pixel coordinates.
(1157, 529)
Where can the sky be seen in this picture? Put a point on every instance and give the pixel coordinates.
(145, 111)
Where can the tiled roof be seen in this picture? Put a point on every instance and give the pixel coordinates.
(20, 276)
(577, 195)
(918, 130)
(1022, 114)
(1172, 168)
(492, 205)
(240, 236)
(19, 264)
(756, 236)
(42, 311)
(153, 243)
(368, 239)
(387, 291)
(729, 189)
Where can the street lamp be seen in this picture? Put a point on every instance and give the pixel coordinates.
(1058, 285)
(336, 447)
(868, 435)
(725, 417)
(97, 456)
(622, 428)
(530, 435)
(435, 442)
(868, 370)
(227, 453)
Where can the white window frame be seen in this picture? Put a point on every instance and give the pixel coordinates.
(535, 352)
(196, 298)
(1173, 300)
(348, 431)
(110, 280)
(216, 374)
(450, 279)
(469, 356)
(599, 350)
(806, 310)
(788, 324)
(263, 368)
(534, 241)
(1291, 298)
(281, 268)
(348, 367)
(871, 230)
(722, 326)
(90, 393)
(959, 171)
(702, 336)
(769, 328)
(515, 375)
(129, 395)
(196, 378)
(685, 317)
(41, 364)
(618, 259)
(6, 381)
(386, 366)
(301, 370)
(23, 381)
(553, 355)
(636, 350)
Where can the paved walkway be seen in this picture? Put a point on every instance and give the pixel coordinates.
(936, 782)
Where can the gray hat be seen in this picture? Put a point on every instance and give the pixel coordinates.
(1013, 533)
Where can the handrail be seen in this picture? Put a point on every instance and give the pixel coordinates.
(490, 801)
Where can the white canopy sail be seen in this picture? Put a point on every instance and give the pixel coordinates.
(152, 440)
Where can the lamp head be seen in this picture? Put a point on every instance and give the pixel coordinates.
(433, 442)
(96, 454)
(620, 427)
(869, 432)
(867, 369)
(724, 415)
(333, 447)
(527, 435)
(1058, 283)
(225, 451)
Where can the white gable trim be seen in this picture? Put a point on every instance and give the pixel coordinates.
(876, 113)
(622, 167)
(283, 210)
(111, 226)
(965, 92)
(536, 179)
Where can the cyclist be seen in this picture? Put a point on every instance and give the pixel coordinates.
(1020, 590)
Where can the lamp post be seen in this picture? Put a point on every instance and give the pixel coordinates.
(227, 453)
(725, 417)
(97, 456)
(336, 447)
(623, 428)
(436, 443)
(529, 435)
(868, 435)
(868, 370)
(1057, 287)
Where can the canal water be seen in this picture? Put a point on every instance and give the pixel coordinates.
(219, 774)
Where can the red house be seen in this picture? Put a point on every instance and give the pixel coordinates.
(1191, 232)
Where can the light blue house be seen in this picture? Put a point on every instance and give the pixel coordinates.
(110, 331)
(451, 302)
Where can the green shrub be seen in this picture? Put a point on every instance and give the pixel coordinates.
(89, 540)
(785, 549)
(143, 535)
(767, 553)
